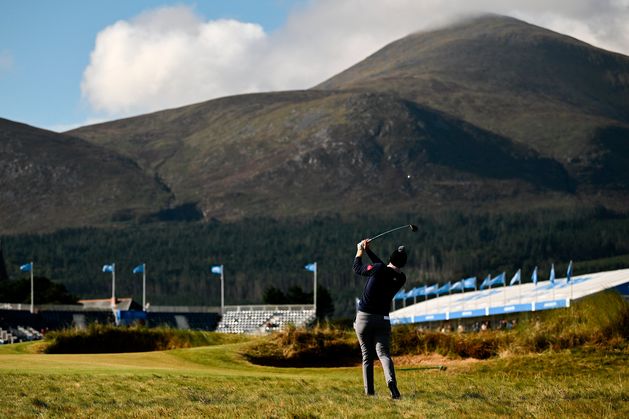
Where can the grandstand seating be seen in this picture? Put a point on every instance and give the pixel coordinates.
(261, 319)
(506, 300)
(196, 321)
(19, 334)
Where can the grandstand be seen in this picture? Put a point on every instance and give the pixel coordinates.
(18, 324)
(264, 319)
(18, 334)
(527, 297)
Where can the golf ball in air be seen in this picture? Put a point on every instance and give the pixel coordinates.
(408, 176)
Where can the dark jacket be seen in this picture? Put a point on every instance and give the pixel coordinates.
(383, 283)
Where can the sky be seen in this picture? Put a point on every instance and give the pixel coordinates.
(68, 63)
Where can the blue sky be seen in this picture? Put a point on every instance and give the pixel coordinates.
(67, 63)
(46, 47)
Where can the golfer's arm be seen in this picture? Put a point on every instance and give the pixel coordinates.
(373, 257)
(359, 268)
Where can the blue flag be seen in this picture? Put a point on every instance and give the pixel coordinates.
(311, 267)
(569, 272)
(420, 291)
(27, 267)
(457, 286)
(469, 283)
(534, 276)
(486, 282)
(516, 278)
(552, 274)
(138, 269)
(109, 268)
(499, 280)
(443, 289)
(401, 294)
(217, 269)
(431, 289)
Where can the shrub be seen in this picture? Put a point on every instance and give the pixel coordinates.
(99, 338)
(321, 346)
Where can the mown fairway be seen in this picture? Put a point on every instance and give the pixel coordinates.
(216, 382)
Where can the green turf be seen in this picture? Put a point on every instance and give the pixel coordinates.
(217, 382)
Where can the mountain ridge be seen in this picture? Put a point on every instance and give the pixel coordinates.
(490, 113)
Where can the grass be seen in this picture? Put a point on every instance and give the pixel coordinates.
(589, 379)
(217, 381)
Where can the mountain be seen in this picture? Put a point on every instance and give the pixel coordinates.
(557, 95)
(489, 113)
(49, 180)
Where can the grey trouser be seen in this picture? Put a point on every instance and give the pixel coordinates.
(374, 336)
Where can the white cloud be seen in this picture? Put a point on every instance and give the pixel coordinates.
(171, 56)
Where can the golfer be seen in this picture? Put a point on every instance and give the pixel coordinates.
(372, 325)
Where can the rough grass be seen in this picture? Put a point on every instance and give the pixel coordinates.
(98, 338)
(322, 346)
(217, 382)
(600, 321)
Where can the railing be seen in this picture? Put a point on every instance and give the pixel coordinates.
(270, 307)
(183, 309)
(163, 309)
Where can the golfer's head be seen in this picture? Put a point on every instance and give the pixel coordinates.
(398, 257)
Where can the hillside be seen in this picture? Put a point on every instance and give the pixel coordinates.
(562, 97)
(490, 113)
(271, 154)
(48, 180)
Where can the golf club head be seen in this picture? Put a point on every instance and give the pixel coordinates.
(413, 227)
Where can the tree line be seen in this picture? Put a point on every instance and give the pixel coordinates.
(263, 253)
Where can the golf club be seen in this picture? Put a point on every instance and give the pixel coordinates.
(412, 227)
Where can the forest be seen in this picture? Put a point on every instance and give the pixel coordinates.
(261, 253)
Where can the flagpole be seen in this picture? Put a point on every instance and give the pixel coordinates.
(113, 286)
(144, 286)
(32, 289)
(315, 287)
(222, 290)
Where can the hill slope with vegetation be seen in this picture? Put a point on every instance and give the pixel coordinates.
(49, 180)
(557, 95)
(489, 112)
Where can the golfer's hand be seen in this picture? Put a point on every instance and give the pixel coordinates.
(360, 247)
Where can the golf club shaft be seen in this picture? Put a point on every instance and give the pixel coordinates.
(387, 232)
